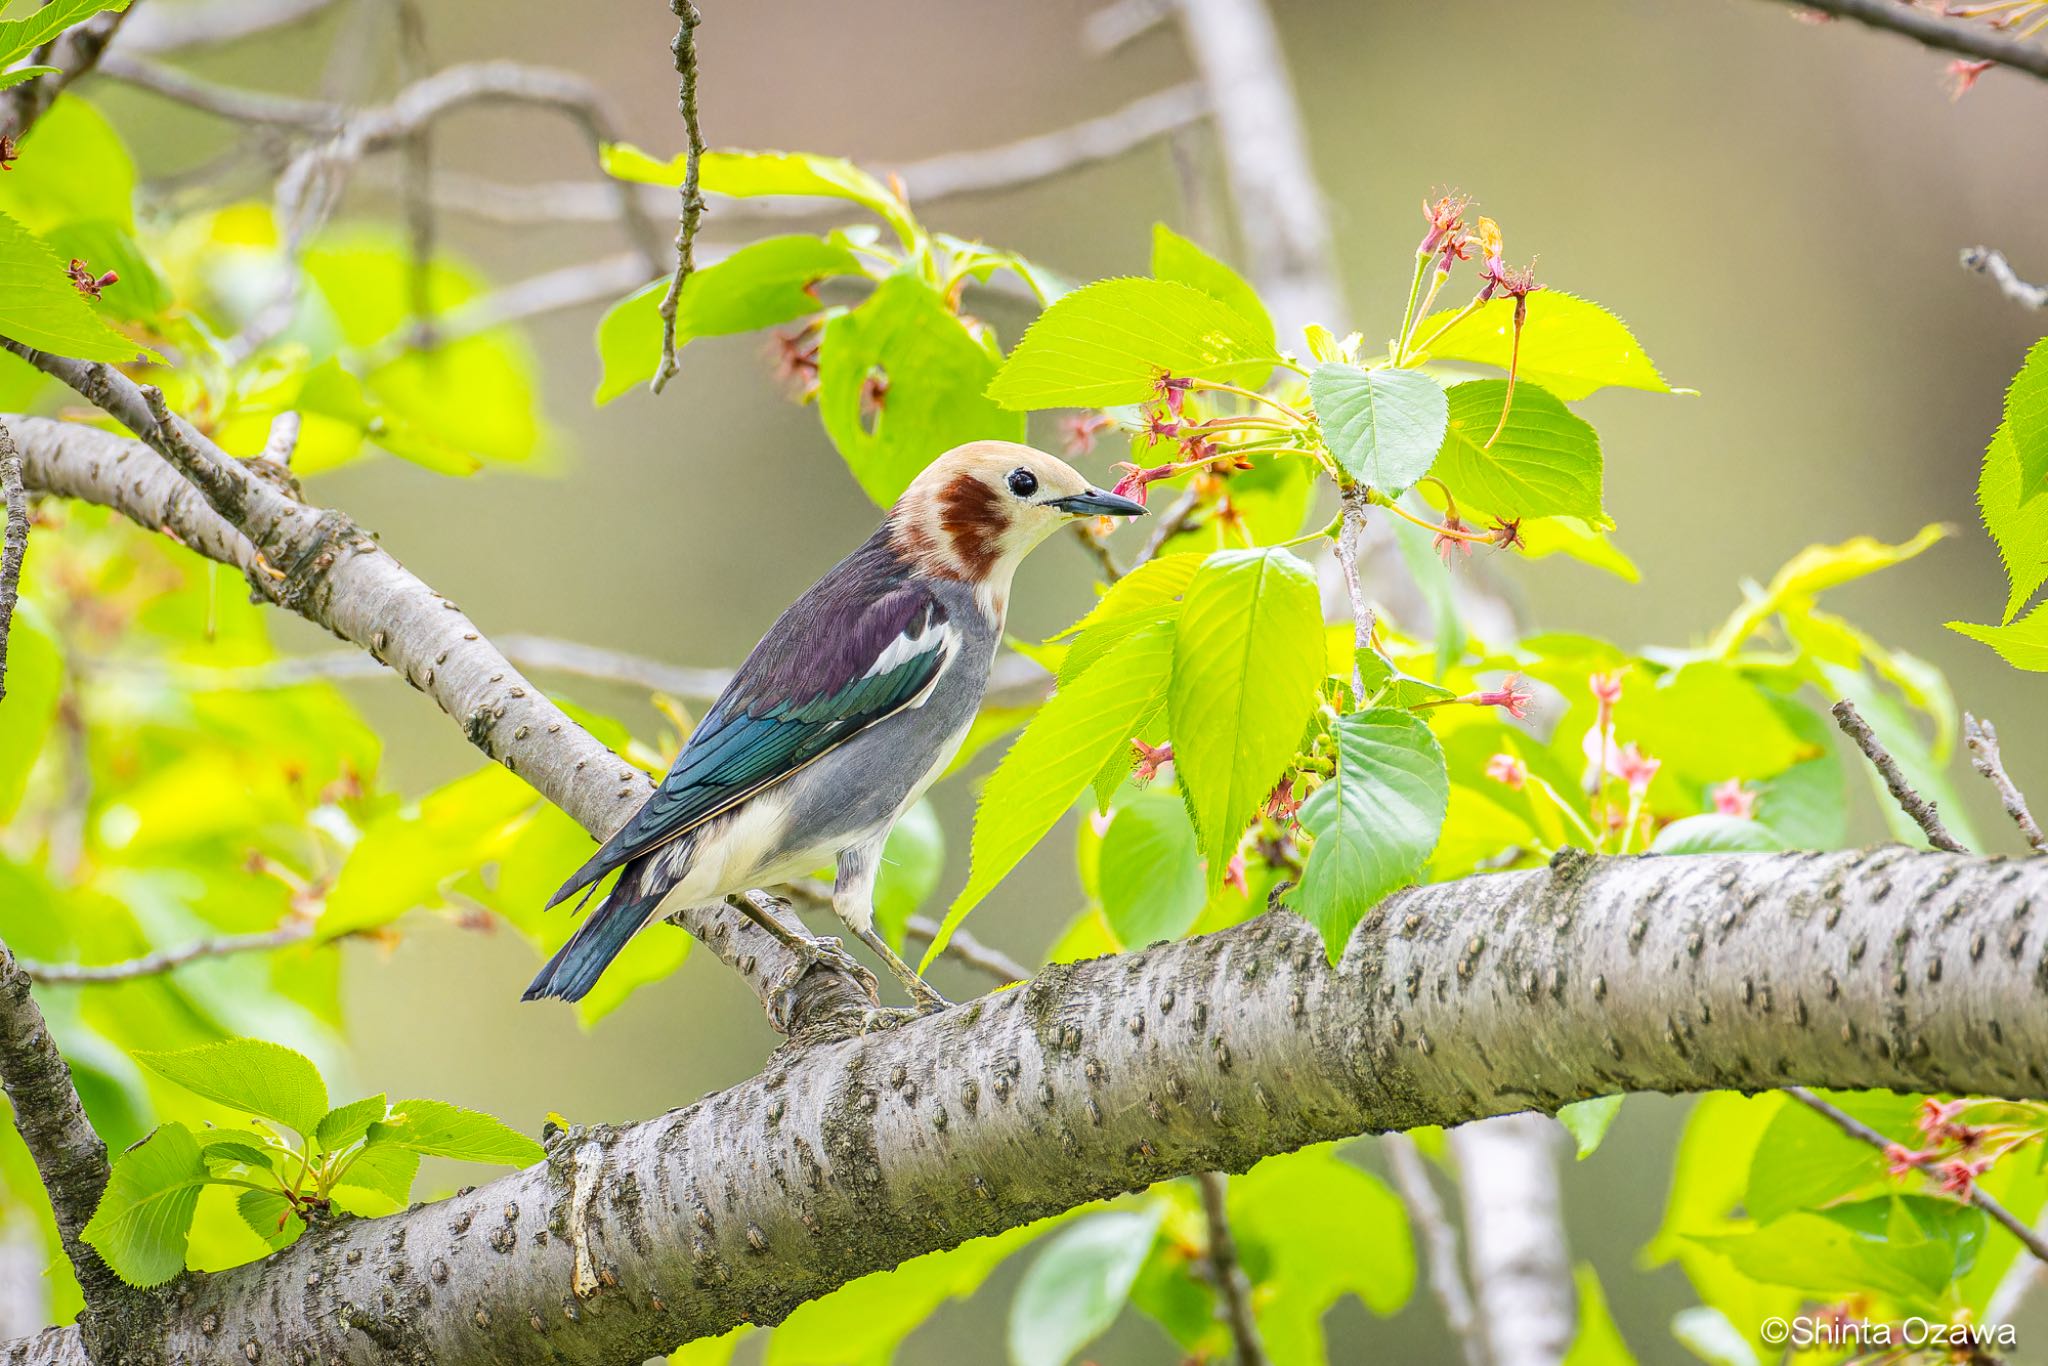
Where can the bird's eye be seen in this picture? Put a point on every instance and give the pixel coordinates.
(1023, 482)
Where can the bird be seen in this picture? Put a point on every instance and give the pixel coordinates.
(858, 696)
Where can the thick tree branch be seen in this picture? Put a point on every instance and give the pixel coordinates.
(1917, 971)
(1981, 738)
(1514, 1211)
(1921, 810)
(68, 1154)
(318, 563)
(1932, 30)
(13, 543)
(691, 212)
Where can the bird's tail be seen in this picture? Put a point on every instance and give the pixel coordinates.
(576, 966)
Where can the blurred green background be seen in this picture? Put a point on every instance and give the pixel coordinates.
(1776, 208)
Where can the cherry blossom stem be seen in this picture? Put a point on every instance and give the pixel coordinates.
(1218, 386)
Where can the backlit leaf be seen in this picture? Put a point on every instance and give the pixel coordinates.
(437, 1129)
(1176, 258)
(1588, 1122)
(19, 37)
(1570, 346)
(251, 1075)
(1075, 1288)
(2022, 644)
(1546, 461)
(145, 1216)
(747, 175)
(1150, 872)
(2026, 417)
(40, 307)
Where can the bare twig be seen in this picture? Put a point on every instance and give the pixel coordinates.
(1179, 517)
(1097, 550)
(983, 958)
(68, 1154)
(1981, 737)
(164, 960)
(1122, 22)
(1439, 1243)
(283, 440)
(1912, 803)
(234, 103)
(210, 23)
(1990, 261)
(1045, 155)
(13, 546)
(691, 212)
(1233, 1287)
(1982, 1199)
(1932, 30)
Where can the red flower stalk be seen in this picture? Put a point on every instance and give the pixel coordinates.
(1150, 759)
(85, 282)
(795, 357)
(10, 150)
(1508, 696)
(1507, 531)
(1447, 546)
(1173, 391)
(1159, 425)
(1959, 1178)
(1446, 219)
(1281, 803)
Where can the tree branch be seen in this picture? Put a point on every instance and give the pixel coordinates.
(1932, 30)
(293, 931)
(692, 201)
(68, 1154)
(75, 51)
(1981, 738)
(1498, 993)
(1991, 262)
(1981, 1198)
(318, 563)
(13, 544)
(209, 23)
(1233, 1287)
(1514, 1216)
(1911, 802)
(1446, 1272)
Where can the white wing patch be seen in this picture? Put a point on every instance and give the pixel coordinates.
(922, 637)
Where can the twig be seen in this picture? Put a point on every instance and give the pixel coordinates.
(1990, 261)
(15, 544)
(1982, 1199)
(1097, 550)
(74, 52)
(283, 440)
(69, 1155)
(1931, 30)
(1233, 1287)
(1179, 517)
(1439, 1243)
(234, 103)
(691, 212)
(1122, 22)
(1981, 738)
(164, 960)
(970, 951)
(166, 28)
(1045, 155)
(1912, 803)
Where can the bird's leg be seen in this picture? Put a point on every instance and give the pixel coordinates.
(810, 952)
(853, 901)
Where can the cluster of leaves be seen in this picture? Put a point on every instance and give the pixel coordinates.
(2009, 489)
(295, 1161)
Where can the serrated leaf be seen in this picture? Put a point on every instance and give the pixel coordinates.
(1151, 584)
(252, 1075)
(40, 307)
(437, 1129)
(1178, 259)
(145, 1216)
(749, 175)
(24, 73)
(935, 375)
(2018, 525)
(1588, 1121)
(1053, 760)
(1546, 461)
(1075, 1288)
(1383, 426)
(227, 1147)
(1247, 658)
(271, 1217)
(2026, 417)
(1570, 346)
(1375, 819)
(344, 1124)
(385, 1173)
(2022, 644)
(759, 285)
(19, 37)
(1110, 343)
(1149, 872)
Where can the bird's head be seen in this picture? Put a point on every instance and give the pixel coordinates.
(980, 508)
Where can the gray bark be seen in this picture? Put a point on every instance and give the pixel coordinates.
(1514, 1219)
(1918, 971)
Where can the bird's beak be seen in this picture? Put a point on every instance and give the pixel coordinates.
(1095, 503)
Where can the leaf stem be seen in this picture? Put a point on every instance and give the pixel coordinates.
(1381, 500)
(1400, 346)
(1422, 348)
(1218, 386)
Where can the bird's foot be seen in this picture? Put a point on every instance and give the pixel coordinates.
(928, 1000)
(808, 955)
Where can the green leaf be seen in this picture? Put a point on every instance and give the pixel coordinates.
(73, 167)
(35, 679)
(1803, 1161)
(1714, 833)
(912, 860)
(19, 37)
(271, 1217)
(145, 1216)
(748, 175)
(39, 306)
(1545, 463)
(1150, 873)
(1384, 426)
(1375, 819)
(228, 1147)
(1074, 1289)
(1110, 343)
(2022, 644)
(15, 77)
(385, 1173)
(1177, 259)
(1588, 1121)
(1598, 1341)
(344, 1124)
(437, 1129)
(2018, 525)
(2026, 417)
(1823, 1255)
(1248, 656)
(1710, 1335)
(1570, 346)
(935, 374)
(1053, 760)
(251, 1075)
(759, 285)
(1151, 585)
(1807, 805)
